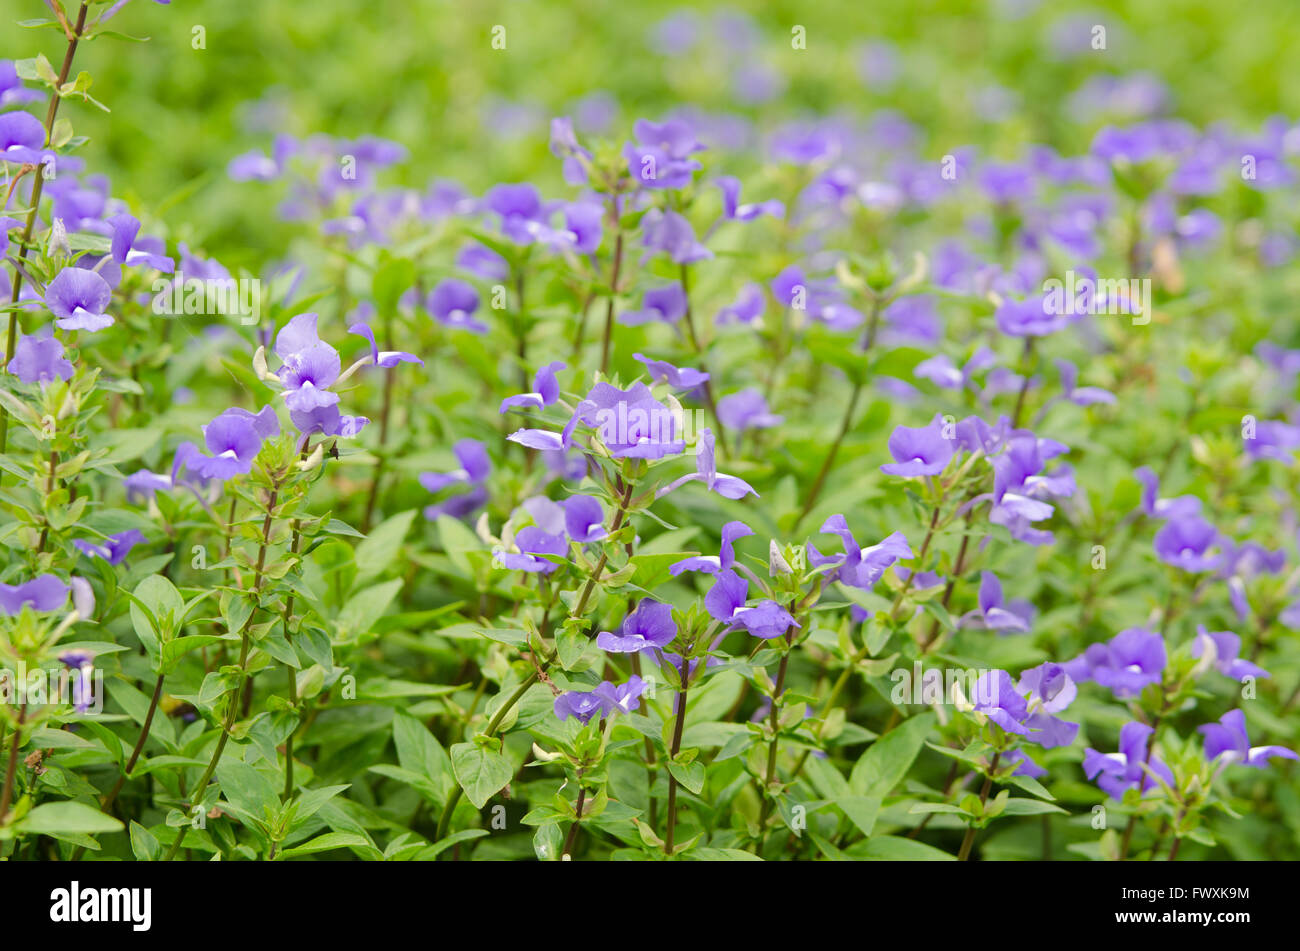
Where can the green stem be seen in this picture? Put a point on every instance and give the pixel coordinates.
(38, 186)
(617, 266)
(699, 354)
(819, 483)
(139, 746)
(445, 820)
(678, 724)
(11, 770)
(969, 839)
(573, 829)
(232, 710)
(292, 674)
(775, 720)
(1024, 383)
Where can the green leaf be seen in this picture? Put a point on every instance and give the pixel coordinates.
(446, 842)
(456, 541)
(144, 845)
(326, 843)
(366, 607)
(419, 751)
(889, 848)
(1029, 807)
(391, 281)
(690, 775)
(862, 811)
(67, 817)
(247, 789)
(721, 855)
(381, 546)
(156, 611)
(481, 772)
(174, 650)
(886, 761)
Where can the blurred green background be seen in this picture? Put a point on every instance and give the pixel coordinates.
(423, 72)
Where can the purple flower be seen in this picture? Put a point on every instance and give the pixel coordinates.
(706, 471)
(747, 309)
(712, 564)
(665, 304)
(183, 474)
(661, 156)
(919, 452)
(624, 698)
(131, 250)
(21, 138)
(915, 317)
(1131, 660)
(115, 547)
(1224, 646)
(1188, 542)
(140, 486)
(1030, 317)
(631, 423)
(1133, 145)
(942, 372)
(1050, 690)
(1154, 507)
(650, 625)
(584, 519)
(42, 593)
(746, 410)
(475, 466)
(583, 223)
(258, 166)
(328, 421)
(452, 303)
(382, 358)
(1272, 439)
(522, 213)
(669, 232)
(1132, 765)
(12, 91)
(733, 210)
(78, 299)
(996, 698)
(310, 366)
(764, 620)
(1227, 739)
(605, 699)
(1026, 767)
(483, 262)
(726, 602)
(564, 145)
(38, 358)
(803, 143)
(545, 389)
(580, 704)
(991, 615)
(1080, 395)
(683, 378)
(234, 438)
(859, 567)
(1006, 183)
(83, 663)
(532, 543)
